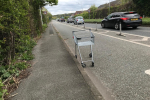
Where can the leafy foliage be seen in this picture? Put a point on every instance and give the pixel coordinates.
(2, 91)
(19, 24)
(142, 6)
(44, 26)
(125, 1)
(128, 6)
(85, 14)
(93, 9)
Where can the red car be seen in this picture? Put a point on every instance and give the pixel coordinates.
(62, 20)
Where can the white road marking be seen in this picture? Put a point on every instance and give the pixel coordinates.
(142, 30)
(101, 33)
(124, 40)
(147, 72)
(144, 39)
(118, 32)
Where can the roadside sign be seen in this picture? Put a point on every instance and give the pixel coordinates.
(45, 12)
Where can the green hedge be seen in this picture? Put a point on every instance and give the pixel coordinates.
(20, 22)
(130, 6)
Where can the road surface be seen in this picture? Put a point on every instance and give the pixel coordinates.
(120, 61)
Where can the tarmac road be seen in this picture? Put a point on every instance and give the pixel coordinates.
(143, 31)
(120, 62)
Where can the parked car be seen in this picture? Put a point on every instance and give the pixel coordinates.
(57, 19)
(127, 19)
(79, 20)
(70, 20)
(62, 19)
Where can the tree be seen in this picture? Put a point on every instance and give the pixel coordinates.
(141, 2)
(143, 6)
(42, 3)
(93, 9)
(125, 1)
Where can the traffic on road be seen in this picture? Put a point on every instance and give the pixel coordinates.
(120, 62)
(141, 30)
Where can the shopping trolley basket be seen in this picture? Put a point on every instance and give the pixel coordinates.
(81, 38)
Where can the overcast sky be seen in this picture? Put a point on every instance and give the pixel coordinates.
(71, 6)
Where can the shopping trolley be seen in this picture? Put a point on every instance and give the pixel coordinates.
(83, 38)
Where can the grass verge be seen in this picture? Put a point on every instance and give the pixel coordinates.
(93, 20)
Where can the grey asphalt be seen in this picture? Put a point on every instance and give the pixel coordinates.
(141, 30)
(55, 75)
(120, 65)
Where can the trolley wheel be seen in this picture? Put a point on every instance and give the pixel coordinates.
(92, 64)
(76, 56)
(83, 65)
(90, 55)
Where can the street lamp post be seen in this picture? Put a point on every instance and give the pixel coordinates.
(41, 15)
(109, 6)
(82, 8)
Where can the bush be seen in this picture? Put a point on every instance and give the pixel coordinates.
(44, 27)
(2, 91)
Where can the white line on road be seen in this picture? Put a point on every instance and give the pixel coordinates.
(144, 39)
(124, 40)
(101, 33)
(147, 72)
(96, 82)
(115, 31)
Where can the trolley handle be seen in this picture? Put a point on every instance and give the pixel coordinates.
(84, 37)
(81, 30)
(78, 30)
(79, 38)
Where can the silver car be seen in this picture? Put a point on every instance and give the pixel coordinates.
(79, 20)
(70, 20)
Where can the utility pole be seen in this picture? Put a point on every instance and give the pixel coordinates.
(109, 6)
(89, 13)
(82, 8)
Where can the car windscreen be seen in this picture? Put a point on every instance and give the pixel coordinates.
(131, 15)
(80, 18)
